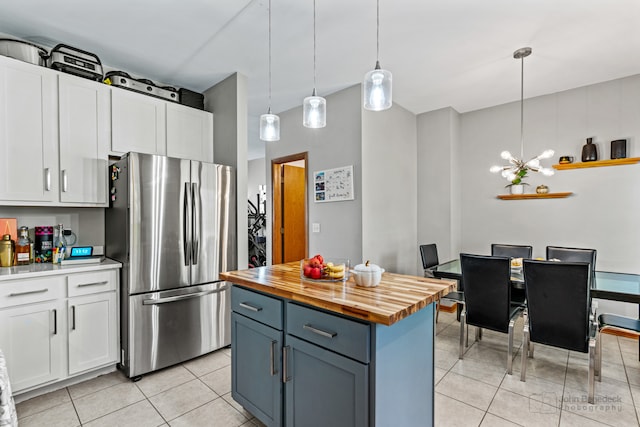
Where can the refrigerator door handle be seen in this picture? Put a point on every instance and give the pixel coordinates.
(185, 225)
(195, 228)
(183, 297)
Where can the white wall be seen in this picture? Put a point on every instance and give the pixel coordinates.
(256, 175)
(389, 189)
(338, 144)
(603, 211)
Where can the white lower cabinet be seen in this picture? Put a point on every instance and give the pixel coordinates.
(55, 327)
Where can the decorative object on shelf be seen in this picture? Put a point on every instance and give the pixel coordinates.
(517, 188)
(542, 189)
(269, 123)
(314, 107)
(589, 151)
(517, 168)
(619, 149)
(377, 82)
(565, 159)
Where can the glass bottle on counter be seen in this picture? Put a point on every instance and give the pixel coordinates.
(23, 247)
(60, 244)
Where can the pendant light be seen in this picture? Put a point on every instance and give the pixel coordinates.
(314, 108)
(377, 82)
(269, 123)
(517, 168)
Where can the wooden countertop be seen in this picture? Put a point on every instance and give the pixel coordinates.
(396, 297)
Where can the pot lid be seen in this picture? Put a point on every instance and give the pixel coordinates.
(367, 268)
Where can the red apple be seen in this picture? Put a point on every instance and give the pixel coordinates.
(316, 273)
(319, 258)
(307, 270)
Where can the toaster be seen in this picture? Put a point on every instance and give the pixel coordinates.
(76, 61)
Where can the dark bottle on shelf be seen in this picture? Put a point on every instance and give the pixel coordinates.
(589, 151)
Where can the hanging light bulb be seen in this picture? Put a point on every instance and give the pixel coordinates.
(518, 168)
(377, 82)
(314, 107)
(269, 123)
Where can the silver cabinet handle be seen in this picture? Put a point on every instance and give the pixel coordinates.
(64, 180)
(250, 307)
(47, 179)
(271, 357)
(320, 331)
(183, 297)
(73, 317)
(82, 285)
(17, 294)
(285, 351)
(55, 322)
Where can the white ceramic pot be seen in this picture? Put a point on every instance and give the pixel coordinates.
(367, 275)
(517, 189)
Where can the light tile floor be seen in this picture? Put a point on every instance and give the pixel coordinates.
(477, 391)
(195, 393)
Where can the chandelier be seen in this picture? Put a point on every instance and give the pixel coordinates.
(518, 168)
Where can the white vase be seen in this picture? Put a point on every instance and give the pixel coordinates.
(517, 189)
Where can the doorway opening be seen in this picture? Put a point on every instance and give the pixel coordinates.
(289, 227)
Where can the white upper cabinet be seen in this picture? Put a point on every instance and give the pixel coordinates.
(85, 134)
(189, 133)
(137, 123)
(28, 133)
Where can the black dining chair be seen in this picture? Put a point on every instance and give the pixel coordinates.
(513, 251)
(487, 297)
(558, 311)
(429, 256)
(573, 255)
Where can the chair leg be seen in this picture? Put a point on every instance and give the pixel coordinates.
(530, 350)
(510, 350)
(592, 366)
(525, 351)
(437, 309)
(598, 368)
(463, 316)
(478, 333)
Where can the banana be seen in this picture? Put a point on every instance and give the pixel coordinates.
(335, 268)
(336, 274)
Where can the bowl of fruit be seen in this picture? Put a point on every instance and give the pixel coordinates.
(325, 270)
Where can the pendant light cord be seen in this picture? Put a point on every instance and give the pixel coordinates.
(522, 107)
(314, 47)
(377, 30)
(270, 56)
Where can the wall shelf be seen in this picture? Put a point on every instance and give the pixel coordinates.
(534, 196)
(597, 163)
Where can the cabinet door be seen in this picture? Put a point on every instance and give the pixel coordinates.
(93, 336)
(256, 380)
(137, 123)
(32, 339)
(28, 132)
(189, 133)
(324, 388)
(85, 129)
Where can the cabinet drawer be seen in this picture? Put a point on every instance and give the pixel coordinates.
(257, 306)
(335, 333)
(91, 283)
(28, 291)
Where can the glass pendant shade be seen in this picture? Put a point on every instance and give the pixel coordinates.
(377, 89)
(314, 112)
(269, 127)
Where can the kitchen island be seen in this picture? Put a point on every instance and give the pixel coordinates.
(309, 353)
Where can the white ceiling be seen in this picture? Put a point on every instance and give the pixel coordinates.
(442, 53)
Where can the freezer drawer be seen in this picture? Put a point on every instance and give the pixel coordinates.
(169, 327)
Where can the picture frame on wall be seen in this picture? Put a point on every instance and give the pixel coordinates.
(333, 185)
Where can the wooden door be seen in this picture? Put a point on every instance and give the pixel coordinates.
(289, 213)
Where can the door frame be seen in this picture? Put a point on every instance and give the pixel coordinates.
(276, 211)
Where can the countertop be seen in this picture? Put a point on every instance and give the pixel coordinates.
(49, 269)
(396, 297)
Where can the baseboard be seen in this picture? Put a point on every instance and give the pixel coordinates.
(448, 308)
(620, 333)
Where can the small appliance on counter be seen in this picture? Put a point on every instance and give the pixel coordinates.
(24, 51)
(83, 255)
(76, 61)
(125, 81)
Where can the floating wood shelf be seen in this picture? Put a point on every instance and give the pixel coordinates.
(534, 196)
(597, 163)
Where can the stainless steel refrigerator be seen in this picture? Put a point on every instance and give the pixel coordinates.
(172, 225)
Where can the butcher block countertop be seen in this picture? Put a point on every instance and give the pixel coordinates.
(396, 297)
